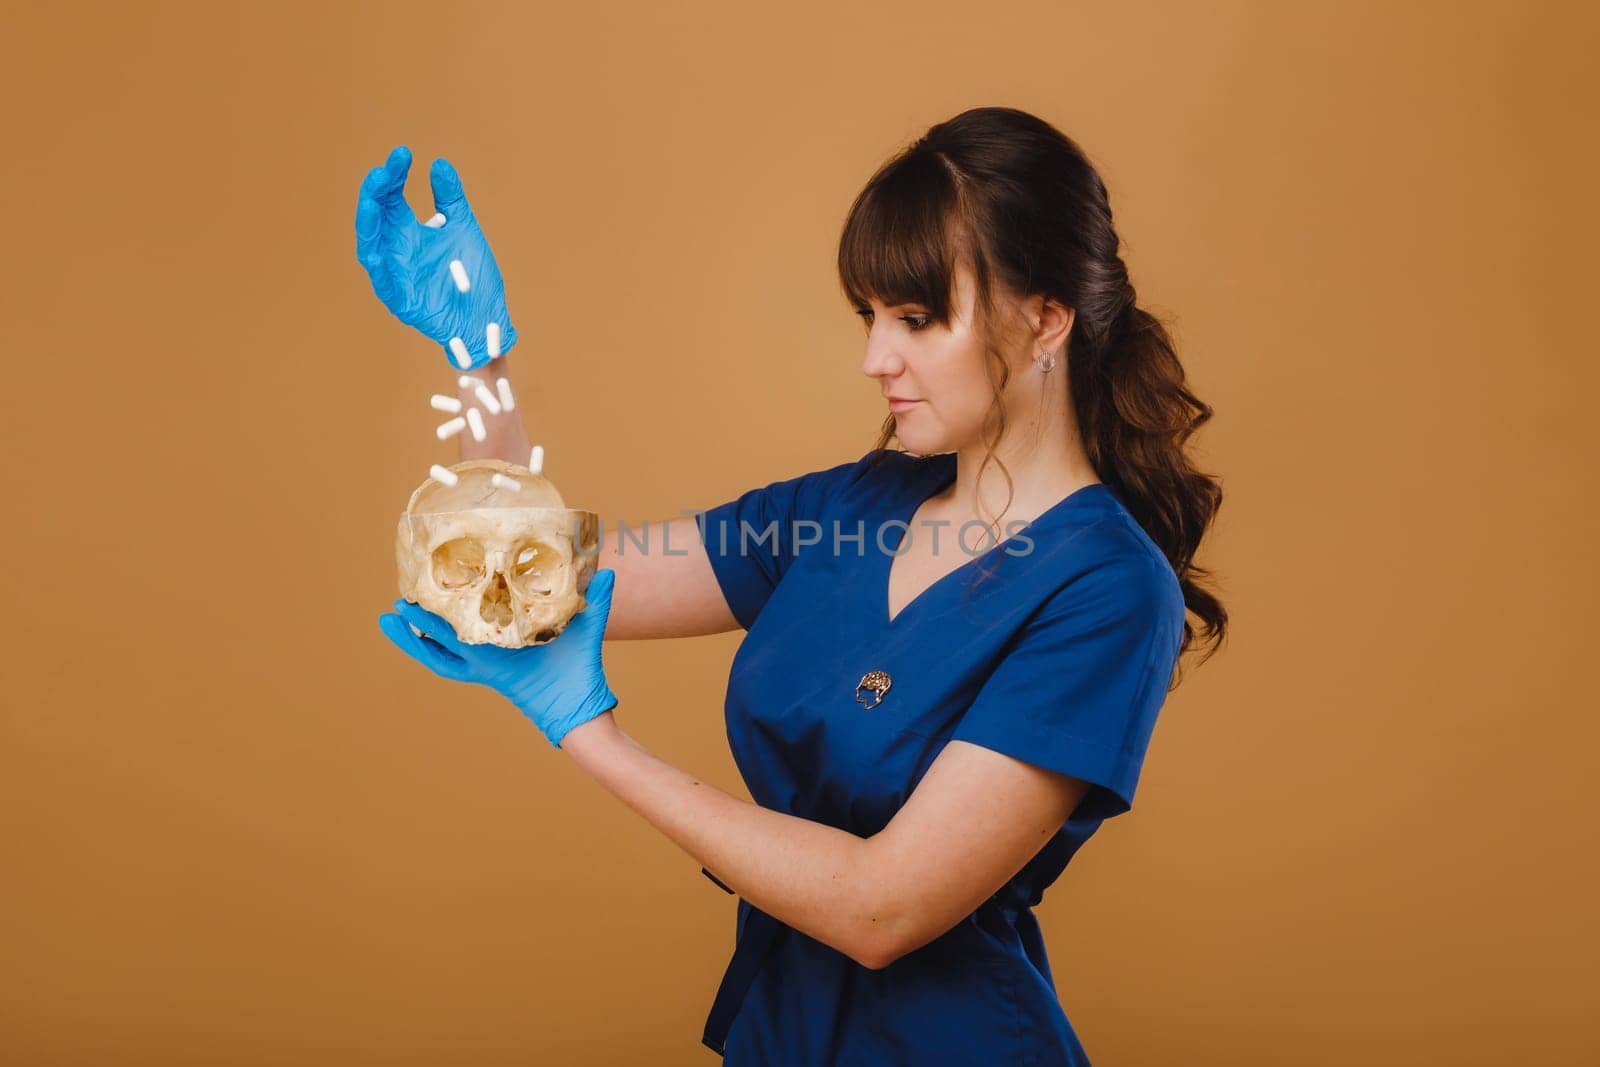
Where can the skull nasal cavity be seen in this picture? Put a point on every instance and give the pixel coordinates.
(495, 607)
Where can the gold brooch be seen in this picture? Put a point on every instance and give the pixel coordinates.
(878, 682)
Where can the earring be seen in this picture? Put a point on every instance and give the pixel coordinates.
(1047, 361)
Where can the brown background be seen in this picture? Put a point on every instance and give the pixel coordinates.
(237, 826)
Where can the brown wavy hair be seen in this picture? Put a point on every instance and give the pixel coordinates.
(1019, 203)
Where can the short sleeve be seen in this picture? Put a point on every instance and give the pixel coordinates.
(1080, 686)
(752, 539)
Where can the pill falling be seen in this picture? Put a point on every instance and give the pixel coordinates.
(486, 398)
(435, 222)
(503, 386)
(475, 423)
(458, 348)
(505, 483)
(451, 428)
(442, 474)
(536, 459)
(467, 381)
(459, 273)
(440, 402)
(491, 338)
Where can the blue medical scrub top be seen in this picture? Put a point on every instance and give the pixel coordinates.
(1060, 656)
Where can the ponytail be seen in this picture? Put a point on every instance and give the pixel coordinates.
(1136, 414)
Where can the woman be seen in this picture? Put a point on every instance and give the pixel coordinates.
(931, 721)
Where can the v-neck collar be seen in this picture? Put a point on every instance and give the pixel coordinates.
(943, 474)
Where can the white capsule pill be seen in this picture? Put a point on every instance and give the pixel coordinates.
(486, 398)
(467, 381)
(459, 273)
(503, 386)
(451, 428)
(536, 459)
(435, 222)
(475, 421)
(458, 349)
(443, 474)
(491, 338)
(505, 483)
(440, 402)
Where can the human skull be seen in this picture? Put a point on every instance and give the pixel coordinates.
(506, 566)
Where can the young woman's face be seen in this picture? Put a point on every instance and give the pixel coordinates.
(939, 369)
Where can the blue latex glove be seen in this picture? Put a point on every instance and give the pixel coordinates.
(559, 684)
(409, 262)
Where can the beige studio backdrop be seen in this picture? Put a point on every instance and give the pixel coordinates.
(237, 826)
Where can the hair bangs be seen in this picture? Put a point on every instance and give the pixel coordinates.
(901, 239)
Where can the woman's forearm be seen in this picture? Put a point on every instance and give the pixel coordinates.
(505, 436)
(807, 874)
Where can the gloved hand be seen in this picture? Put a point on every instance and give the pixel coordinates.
(559, 684)
(409, 262)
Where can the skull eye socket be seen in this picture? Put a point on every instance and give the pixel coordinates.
(534, 568)
(531, 561)
(458, 563)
